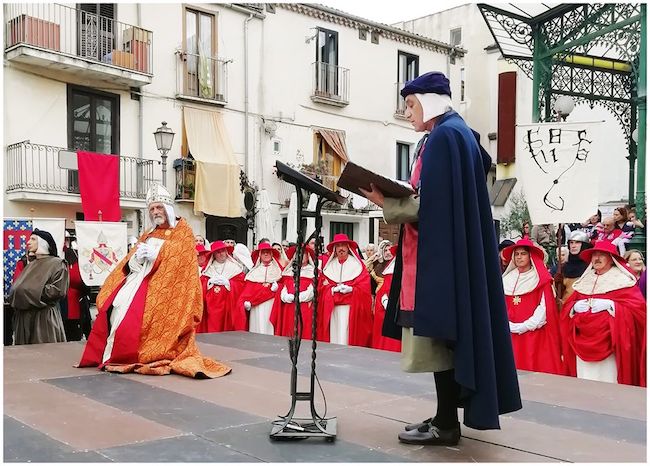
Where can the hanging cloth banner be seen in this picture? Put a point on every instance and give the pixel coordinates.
(559, 168)
(99, 185)
(102, 245)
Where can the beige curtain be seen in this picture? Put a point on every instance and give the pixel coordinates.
(217, 171)
(336, 140)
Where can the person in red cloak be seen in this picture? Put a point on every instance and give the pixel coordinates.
(203, 259)
(604, 321)
(381, 300)
(283, 312)
(259, 291)
(345, 302)
(224, 280)
(532, 312)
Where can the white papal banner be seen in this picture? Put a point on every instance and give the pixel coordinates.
(559, 168)
(101, 246)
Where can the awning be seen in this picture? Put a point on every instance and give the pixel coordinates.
(217, 171)
(336, 140)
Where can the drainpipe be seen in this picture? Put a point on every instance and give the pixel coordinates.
(246, 21)
(139, 171)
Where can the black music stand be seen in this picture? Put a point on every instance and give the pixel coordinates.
(289, 427)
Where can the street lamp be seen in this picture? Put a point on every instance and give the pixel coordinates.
(563, 106)
(164, 137)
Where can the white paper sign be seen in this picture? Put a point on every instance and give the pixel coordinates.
(101, 246)
(558, 164)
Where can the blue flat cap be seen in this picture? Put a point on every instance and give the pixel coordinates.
(433, 82)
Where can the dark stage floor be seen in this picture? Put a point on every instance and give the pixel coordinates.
(54, 412)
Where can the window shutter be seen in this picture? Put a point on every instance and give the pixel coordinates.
(107, 10)
(507, 117)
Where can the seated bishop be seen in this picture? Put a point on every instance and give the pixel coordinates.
(150, 304)
(253, 309)
(345, 300)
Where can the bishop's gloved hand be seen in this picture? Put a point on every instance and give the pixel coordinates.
(307, 295)
(145, 252)
(247, 305)
(274, 287)
(517, 328)
(581, 306)
(345, 289)
(337, 288)
(285, 296)
(600, 305)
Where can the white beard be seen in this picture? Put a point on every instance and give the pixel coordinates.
(159, 221)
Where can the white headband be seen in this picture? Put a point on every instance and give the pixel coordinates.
(434, 105)
(43, 247)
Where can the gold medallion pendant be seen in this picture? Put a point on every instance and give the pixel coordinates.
(516, 300)
(168, 232)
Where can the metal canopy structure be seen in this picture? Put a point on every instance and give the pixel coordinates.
(595, 53)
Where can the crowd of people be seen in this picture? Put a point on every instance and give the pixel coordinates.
(256, 291)
(586, 315)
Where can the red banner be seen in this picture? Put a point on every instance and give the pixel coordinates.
(99, 184)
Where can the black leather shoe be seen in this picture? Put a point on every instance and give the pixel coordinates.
(418, 425)
(431, 435)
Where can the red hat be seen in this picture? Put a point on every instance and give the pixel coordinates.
(264, 247)
(340, 238)
(200, 249)
(292, 250)
(219, 245)
(602, 246)
(523, 243)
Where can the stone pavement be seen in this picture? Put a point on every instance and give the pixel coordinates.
(54, 412)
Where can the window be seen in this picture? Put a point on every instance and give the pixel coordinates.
(327, 60)
(93, 125)
(403, 161)
(407, 69)
(341, 227)
(462, 84)
(326, 161)
(456, 37)
(200, 50)
(95, 23)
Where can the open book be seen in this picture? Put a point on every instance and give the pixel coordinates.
(355, 177)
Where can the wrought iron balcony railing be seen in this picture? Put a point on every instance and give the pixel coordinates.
(331, 83)
(78, 33)
(202, 77)
(35, 168)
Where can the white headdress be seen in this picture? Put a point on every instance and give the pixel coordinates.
(158, 193)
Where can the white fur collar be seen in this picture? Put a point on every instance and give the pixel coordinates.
(525, 282)
(228, 269)
(339, 273)
(616, 278)
(261, 274)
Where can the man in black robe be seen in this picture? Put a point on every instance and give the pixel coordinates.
(446, 301)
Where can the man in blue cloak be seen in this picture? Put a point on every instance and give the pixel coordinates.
(446, 301)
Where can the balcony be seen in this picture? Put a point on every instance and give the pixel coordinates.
(400, 103)
(331, 84)
(84, 47)
(33, 174)
(201, 79)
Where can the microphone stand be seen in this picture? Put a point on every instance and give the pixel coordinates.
(290, 427)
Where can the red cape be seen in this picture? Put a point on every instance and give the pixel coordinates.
(594, 337)
(255, 293)
(219, 303)
(283, 314)
(538, 350)
(74, 293)
(378, 340)
(360, 301)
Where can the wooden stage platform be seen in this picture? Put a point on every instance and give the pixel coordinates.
(54, 412)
